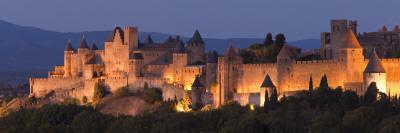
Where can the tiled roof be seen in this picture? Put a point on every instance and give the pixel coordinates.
(148, 40)
(267, 82)
(374, 65)
(83, 44)
(196, 38)
(231, 52)
(137, 56)
(69, 46)
(94, 47)
(286, 52)
(350, 40)
(197, 83)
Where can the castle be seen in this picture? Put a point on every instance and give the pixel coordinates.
(176, 67)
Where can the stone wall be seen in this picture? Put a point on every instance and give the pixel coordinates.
(253, 75)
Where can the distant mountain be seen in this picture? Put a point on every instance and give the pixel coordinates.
(25, 48)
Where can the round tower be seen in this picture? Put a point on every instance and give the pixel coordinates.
(69, 50)
(266, 86)
(196, 93)
(83, 54)
(375, 72)
(196, 48)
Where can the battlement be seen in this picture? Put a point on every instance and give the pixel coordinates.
(319, 61)
(390, 60)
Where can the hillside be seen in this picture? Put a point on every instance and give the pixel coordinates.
(32, 51)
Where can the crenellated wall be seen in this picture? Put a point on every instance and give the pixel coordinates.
(302, 70)
(41, 86)
(392, 68)
(252, 76)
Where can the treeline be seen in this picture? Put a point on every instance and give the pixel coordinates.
(318, 110)
(264, 52)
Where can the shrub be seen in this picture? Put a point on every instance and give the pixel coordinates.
(151, 95)
(122, 92)
(69, 101)
(99, 93)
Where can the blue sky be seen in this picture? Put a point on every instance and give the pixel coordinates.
(298, 19)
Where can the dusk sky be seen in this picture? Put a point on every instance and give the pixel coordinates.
(298, 19)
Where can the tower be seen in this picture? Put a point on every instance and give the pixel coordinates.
(267, 85)
(196, 47)
(196, 93)
(211, 70)
(228, 75)
(131, 38)
(353, 26)
(136, 63)
(69, 50)
(351, 53)
(117, 51)
(285, 59)
(180, 59)
(338, 32)
(374, 72)
(83, 54)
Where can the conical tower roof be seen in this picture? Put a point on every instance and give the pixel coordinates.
(286, 52)
(374, 64)
(83, 44)
(197, 83)
(384, 29)
(267, 82)
(196, 38)
(169, 39)
(212, 57)
(69, 46)
(396, 29)
(350, 40)
(94, 46)
(180, 48)
(231, 52)
(148, 40)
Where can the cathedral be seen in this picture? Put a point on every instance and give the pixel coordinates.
(177, 67)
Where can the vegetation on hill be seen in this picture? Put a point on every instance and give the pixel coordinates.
(265, 52)
(319, 109)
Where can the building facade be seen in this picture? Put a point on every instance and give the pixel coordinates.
(176, 67)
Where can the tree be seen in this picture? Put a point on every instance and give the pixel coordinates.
(324, 83)
(4, 109)
(99, 93)
(361, 120)
(310, 92)
(151, 95)
(184, 105)
(325, 123)
(84, 100)
(273, 101)
(371, 94)
(280, 39)
(266, 101)
(122, 92)
(268, 40)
